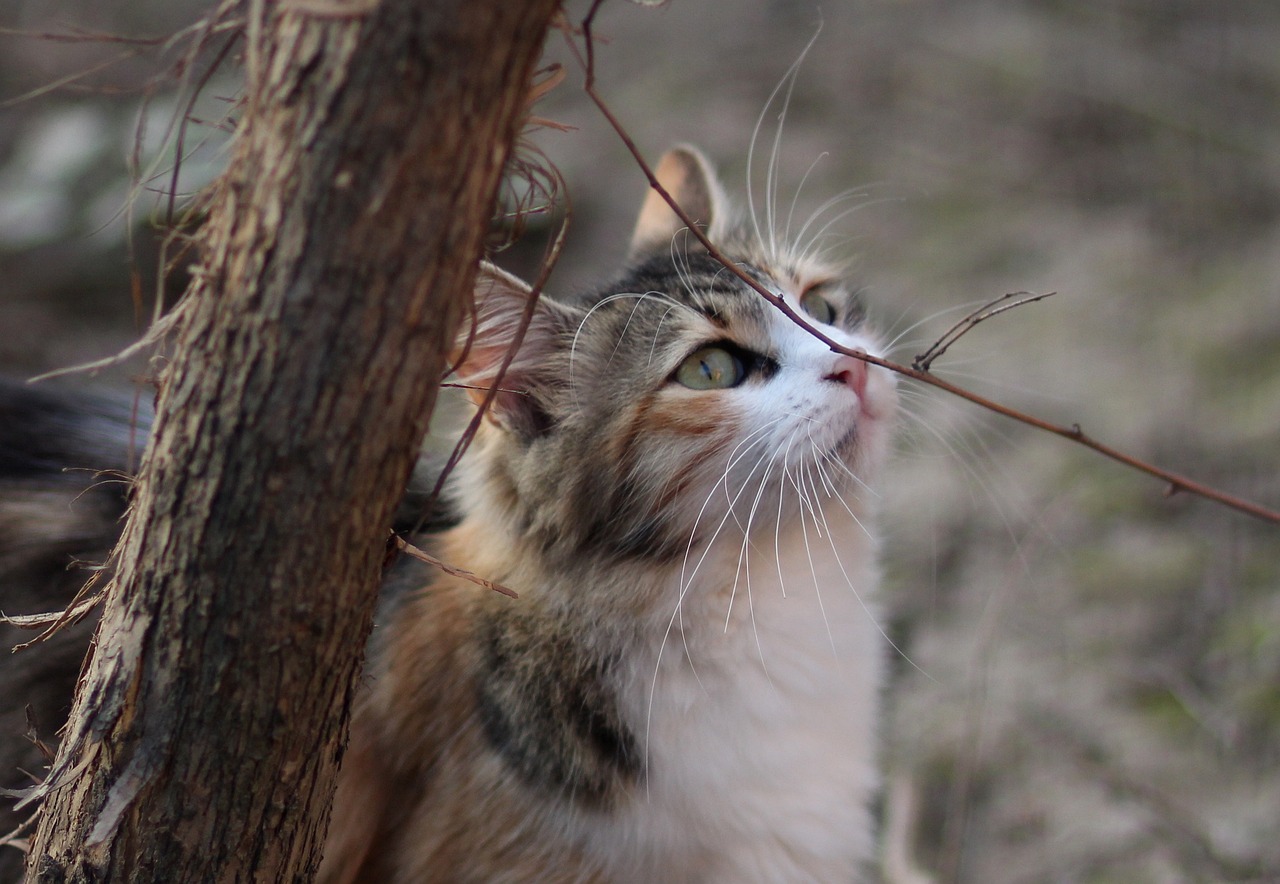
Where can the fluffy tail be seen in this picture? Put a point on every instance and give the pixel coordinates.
(65, 463)
(66, 466)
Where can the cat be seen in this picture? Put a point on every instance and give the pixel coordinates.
(52, 512)
(677, 480)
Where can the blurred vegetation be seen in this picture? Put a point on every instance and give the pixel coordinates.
(1088, 687)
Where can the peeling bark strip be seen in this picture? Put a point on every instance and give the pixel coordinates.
(341, 243)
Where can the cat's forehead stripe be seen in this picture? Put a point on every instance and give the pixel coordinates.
(714, 313)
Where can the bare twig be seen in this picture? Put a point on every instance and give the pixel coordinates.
(33, 736)
(924, 361)
(184, 119)
(421, 555)
(70, 78)
(80, 607)
(81, 37)
(548, 264)
(18, 837)
(1176, 483)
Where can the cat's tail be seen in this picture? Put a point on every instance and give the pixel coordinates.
(66, 462)
(66, 465)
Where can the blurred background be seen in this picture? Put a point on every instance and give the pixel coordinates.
(1088, 682)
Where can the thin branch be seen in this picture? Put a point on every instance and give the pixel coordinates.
(1176, 483)
(924, 361)
(81, 37)
(452, 386)
(80, 607)
(70, 78)
(526, 319)
(17, 838)
(184, 119)
(423, 556)
(33, 737)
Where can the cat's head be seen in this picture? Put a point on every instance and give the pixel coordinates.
(644, 414)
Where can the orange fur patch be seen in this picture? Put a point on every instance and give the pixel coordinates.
(700, 415)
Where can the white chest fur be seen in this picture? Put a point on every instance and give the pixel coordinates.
(758, 723)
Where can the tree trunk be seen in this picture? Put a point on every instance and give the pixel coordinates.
(341, 245)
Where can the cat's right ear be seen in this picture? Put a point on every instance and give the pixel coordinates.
(687, 175)
(492, 333)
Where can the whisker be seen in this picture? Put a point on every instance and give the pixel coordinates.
(835, 553)
(817, 589)
(967, 307)
(810, 251)
(653, 347)
(791, 212)
(687, 577)
(805, 504)
(777, 528)
(788, 80)
(640, 298)
(744, 568)
(746, 529)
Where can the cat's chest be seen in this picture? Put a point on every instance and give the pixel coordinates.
(756, 713)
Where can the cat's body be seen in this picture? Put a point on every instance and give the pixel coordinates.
(741, 771)
(674, 479)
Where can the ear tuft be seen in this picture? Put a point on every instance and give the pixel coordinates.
(687, 175)
(501, 304)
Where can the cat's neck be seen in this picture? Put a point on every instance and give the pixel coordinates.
(806, 571)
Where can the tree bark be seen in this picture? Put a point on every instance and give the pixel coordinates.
(341, 245)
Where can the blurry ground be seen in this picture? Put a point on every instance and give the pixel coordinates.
(1089, 688)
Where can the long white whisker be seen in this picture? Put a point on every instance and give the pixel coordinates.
(687, 576)
(817, 589)
(791, 212)
(835, 552)
(811, 250)
(577, 333)
(968, 306)
(788, 80)
(844, 468)
(806, 503)
(777, 527)
(653, 347)
(827, 484)
(746, 530)
(744, 569)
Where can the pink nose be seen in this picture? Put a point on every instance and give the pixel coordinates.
(851, 372)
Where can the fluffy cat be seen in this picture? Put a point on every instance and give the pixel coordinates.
(686, 690)
(677, 480)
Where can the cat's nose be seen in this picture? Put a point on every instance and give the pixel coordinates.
(850, 371)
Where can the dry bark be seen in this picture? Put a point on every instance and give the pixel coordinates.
(340, 247)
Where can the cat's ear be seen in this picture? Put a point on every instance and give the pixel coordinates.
(685, 174)
(493, 332)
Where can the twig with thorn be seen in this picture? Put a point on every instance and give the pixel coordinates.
(423, 556)
(992, 308)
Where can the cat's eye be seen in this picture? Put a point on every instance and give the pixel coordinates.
(818, 307)
(711, 368)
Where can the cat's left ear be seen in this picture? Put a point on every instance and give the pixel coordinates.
(687, 175)
(494, 331)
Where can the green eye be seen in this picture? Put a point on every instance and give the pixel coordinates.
(711, 368)
(818, 307)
